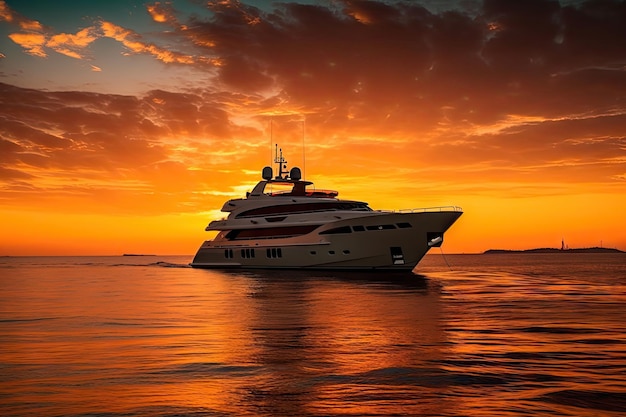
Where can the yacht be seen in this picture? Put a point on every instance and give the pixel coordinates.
(285, 222)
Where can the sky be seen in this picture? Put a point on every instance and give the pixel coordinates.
(125, 125)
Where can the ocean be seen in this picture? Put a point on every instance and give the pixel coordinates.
(463, 335)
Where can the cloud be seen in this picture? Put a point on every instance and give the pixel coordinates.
(5, 13)
(72, 45)
(35, 38)
(33, 43)
(497, 95)
(353, 53)
(10, 16)
(133, 42)
(151, 152)
(63, 43)
(162, 13)
(394, 61)
(31, 39)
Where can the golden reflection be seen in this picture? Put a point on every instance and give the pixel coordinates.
(331, 343)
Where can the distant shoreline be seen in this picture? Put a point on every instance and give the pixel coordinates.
(555, 250)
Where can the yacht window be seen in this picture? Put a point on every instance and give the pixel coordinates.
(381, 227)
(358, 228)
(337, 230)
(404, 225)
(270, 232)
(305, 207)
(346, 252)
(280, 189)
(275, 219)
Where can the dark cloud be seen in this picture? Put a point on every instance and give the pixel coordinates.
(368, 59)
(523, 35)
(594, 34)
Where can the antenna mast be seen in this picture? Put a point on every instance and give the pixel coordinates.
(303, 152)
(282, 163)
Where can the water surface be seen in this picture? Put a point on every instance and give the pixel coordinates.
(497, 335)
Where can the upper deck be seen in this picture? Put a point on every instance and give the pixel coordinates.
(289, 188)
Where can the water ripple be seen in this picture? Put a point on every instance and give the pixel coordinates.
(498, 335)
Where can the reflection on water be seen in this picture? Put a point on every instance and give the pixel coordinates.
(149, 336)
(345, 348)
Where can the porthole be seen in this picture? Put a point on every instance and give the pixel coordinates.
(247, 253)
(274, 253)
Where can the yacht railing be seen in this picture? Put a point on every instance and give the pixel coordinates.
(425, 210)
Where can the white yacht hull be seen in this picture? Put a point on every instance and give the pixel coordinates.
(376, 240)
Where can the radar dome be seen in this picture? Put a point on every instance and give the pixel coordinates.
(295, 174)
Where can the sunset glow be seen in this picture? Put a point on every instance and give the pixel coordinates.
(125, 126)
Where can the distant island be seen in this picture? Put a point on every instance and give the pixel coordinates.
(555, 250)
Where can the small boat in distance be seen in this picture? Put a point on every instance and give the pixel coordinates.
(284, 222)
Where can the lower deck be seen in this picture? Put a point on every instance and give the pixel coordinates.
(311, 257)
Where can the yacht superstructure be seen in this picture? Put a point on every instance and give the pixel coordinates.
(284, 222)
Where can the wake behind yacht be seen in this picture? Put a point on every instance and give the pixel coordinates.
(284, 222)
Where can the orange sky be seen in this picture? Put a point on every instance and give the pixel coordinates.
(124, 126)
